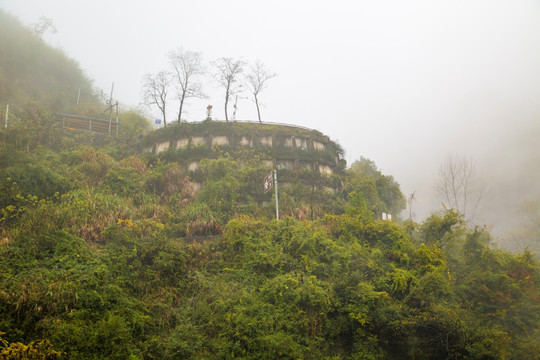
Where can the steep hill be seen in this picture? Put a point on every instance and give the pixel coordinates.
(102, 263)
(166, 247)
(33, 72)
(105, 255)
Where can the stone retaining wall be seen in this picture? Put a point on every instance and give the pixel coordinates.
(299, 144)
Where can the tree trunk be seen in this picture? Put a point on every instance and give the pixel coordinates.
(181, 106)
(226, 104)
(258, 111)
(163, 112)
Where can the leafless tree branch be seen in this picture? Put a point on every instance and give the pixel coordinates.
(228, 76)
(187, 68)
(155, 90)
(459, 186)
(257, 81)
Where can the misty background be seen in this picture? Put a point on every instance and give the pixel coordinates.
(404, 84)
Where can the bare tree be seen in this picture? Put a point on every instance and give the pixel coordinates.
(257, 81)
(459, 186)
(155, 89)
(228, 76)
(43, 25)
(187, 67)
(526, 234)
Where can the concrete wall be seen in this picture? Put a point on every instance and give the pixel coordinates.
(162, 147)
(220, 140)
(317, 145)
(246, 142)
(297, 143)
(266, 141)
(285, 164)
(263, 140)
(197, 141)
(182, 143)
(325, 169)
(300, 143)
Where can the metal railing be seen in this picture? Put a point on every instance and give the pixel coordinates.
(84, 123)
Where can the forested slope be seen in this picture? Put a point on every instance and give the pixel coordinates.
(109, 254)
(102, 274)
(112, 255)
(33, 73)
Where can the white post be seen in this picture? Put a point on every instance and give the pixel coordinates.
(110, 108)
(7, 115)
(277, 202)
(117, 118)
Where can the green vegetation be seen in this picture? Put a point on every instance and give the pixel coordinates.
(365, 184)
(238, 129)
(237, 132)
(109, 254)
(107, 275)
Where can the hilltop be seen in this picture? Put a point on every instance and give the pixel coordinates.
(31, 72)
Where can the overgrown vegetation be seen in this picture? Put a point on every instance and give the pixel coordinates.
(107, 275)
(109, 254)
(237, 129)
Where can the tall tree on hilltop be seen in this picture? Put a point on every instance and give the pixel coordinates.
(155, 90)
(187, 67)
(43, 25)
(257, 81)
(228, 76)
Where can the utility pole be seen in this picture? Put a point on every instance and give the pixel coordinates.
(277, 202)
(117, 118)
(269, 181)
(115, 105)
(7, 115)
(110, 107)
(112, 89)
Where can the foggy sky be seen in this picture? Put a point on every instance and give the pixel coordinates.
(404, 83)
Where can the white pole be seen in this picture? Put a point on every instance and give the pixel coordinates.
(7, 115)
(110, 107)
(78, 96)
(277, 202)
(117, 118)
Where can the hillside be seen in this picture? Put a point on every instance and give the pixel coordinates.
(108, 253)
(31, 72)
(102, 263)
(121, 248)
